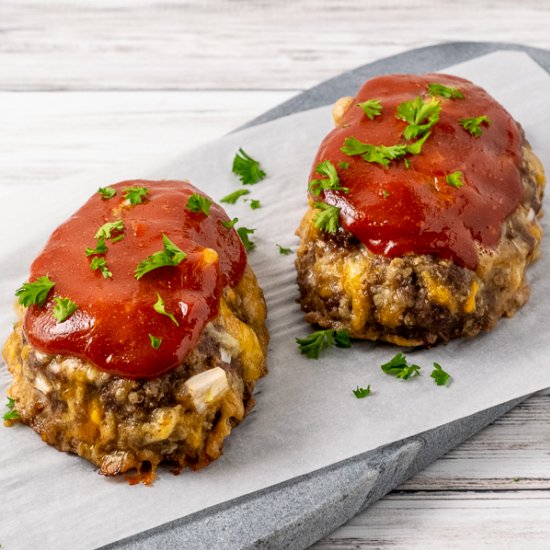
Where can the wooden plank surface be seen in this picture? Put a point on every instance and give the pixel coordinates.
(52, 135)
(242, 44)
(87, 86)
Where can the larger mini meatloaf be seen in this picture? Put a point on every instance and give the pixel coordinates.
(422, 219)
(142, 331)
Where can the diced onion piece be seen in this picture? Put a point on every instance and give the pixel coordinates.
(207, 387)
(41, 384)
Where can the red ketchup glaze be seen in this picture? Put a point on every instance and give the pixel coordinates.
(115, 316)
(395, 210)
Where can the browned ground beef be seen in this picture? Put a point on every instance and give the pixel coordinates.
(419, 299)
(181, 417)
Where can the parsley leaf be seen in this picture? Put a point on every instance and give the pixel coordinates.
(456, 179)
(316, 342)
(400, 368)
(381, 154)
(155, 342)
(420, 115)
(199, 203)
(361, 392)
(243, 234)
(101, 264)
(328, 217)
(284, 251)
(326, 168)
(371, 108)
(447, 92)
(247, 168)
(343, 165)
(342, 339)
(100, 248)
(170, 256)
(35, 292)
(233, 197)
(415, 148)
(63, 308)
(473, 125)
(135, 195)
(228, 224)
(255, 204)
(110, 227)
(13, 413)
(107, 192)
(159, 307)
(439, 375)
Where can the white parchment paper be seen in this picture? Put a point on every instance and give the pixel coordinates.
(306, 416)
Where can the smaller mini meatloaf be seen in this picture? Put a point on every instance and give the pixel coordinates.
(142, 331)
(422, 219)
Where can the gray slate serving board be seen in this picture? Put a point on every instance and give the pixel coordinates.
(297, 513)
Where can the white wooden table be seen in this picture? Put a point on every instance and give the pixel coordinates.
(92, 85)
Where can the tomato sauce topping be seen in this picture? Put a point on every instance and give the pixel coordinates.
(115, 316)
(400, 210)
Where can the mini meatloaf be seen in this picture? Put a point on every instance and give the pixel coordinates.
(142, 331)
(423, 213)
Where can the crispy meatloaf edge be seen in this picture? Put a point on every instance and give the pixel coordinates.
(415, 299)
(181, 417)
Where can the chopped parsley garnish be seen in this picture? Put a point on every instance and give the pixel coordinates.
(439, 375)
(233, 197)
(35, 292)
(473, 125)
(107, 192)
(159, 307)
(456, 179)
(243, 234)
(199, 203)
(255, 204)
(228, 224)
(447, 92)
(361, 392)
(316, 342)
(108, 228)
(170, 256)
(407, 162)
(415, 148)
(400, 368)
(332, 182)
(385, 193)
(118, 238)
(63, 308)
(13, 413)
(100, 248)
(247, 168)
(420, 115)
(135, 195)
(371, 108)
(343, 165)
(373, 153)
(284, 251)
(382, 154)
(101, 264)
(328, 217)
(155, 342)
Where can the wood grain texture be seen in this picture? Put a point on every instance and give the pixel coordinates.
(237, 44)
(87, 86)
(460, 521)
(493, 491)
(47, 136)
